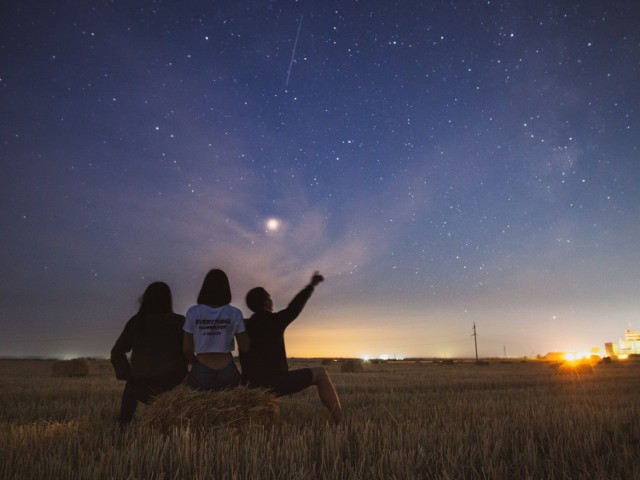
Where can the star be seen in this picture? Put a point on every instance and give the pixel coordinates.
(273, 225)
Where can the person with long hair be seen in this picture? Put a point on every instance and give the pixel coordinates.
(209, 332)
(154, 338)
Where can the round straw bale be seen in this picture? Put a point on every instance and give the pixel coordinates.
(352, 365)
(184, 406)
(76, 367)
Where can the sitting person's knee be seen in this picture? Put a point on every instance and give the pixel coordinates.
(319, 374)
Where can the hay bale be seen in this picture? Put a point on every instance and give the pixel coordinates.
(184, 406)
(352, 365)
(76, 367)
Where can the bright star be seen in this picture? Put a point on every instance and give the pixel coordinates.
(272, 224)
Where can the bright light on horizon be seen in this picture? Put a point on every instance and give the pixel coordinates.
(383, 357)
(577, 356)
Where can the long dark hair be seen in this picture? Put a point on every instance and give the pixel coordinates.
(215, 290)
(156, 299)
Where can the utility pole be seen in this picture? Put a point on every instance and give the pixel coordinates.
(475, 339)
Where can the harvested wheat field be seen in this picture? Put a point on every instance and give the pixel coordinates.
(402, 420)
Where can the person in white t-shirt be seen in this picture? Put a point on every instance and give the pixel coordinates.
(209, 329)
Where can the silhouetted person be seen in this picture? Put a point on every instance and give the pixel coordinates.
(154, 338)
(209, 331)
(265, 364)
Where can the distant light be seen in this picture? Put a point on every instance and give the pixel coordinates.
(69, 356)
(623, 356)
(365, 358)
(384, 356)
(273, 224)
(579, 356)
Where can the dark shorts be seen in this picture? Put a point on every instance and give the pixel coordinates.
(202, 377)
(287, 383)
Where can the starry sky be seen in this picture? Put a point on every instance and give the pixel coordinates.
(442, 163)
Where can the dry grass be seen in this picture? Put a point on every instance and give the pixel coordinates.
(76, 367)
(402, 420)
(574, 368)
(186, 407)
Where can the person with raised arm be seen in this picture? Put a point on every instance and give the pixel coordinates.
(265, 364)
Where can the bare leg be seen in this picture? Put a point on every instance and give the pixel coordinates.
(327, 393)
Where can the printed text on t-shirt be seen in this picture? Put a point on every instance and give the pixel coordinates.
(211, 327)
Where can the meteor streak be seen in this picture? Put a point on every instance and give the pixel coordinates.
(293, 53)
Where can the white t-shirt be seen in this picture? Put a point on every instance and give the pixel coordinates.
(213, 329)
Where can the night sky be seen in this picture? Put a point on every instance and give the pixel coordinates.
(441, 163)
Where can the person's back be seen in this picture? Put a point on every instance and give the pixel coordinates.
(157, 350)
(267, 355)
(210, 328)
(155, 343)
(154, 338)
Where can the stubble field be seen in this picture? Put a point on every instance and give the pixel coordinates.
(402, 420)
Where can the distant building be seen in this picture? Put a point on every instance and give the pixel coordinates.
(611, 349)
(631, 343)
(554, 357)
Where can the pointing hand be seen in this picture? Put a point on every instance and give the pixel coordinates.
(316, 278)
